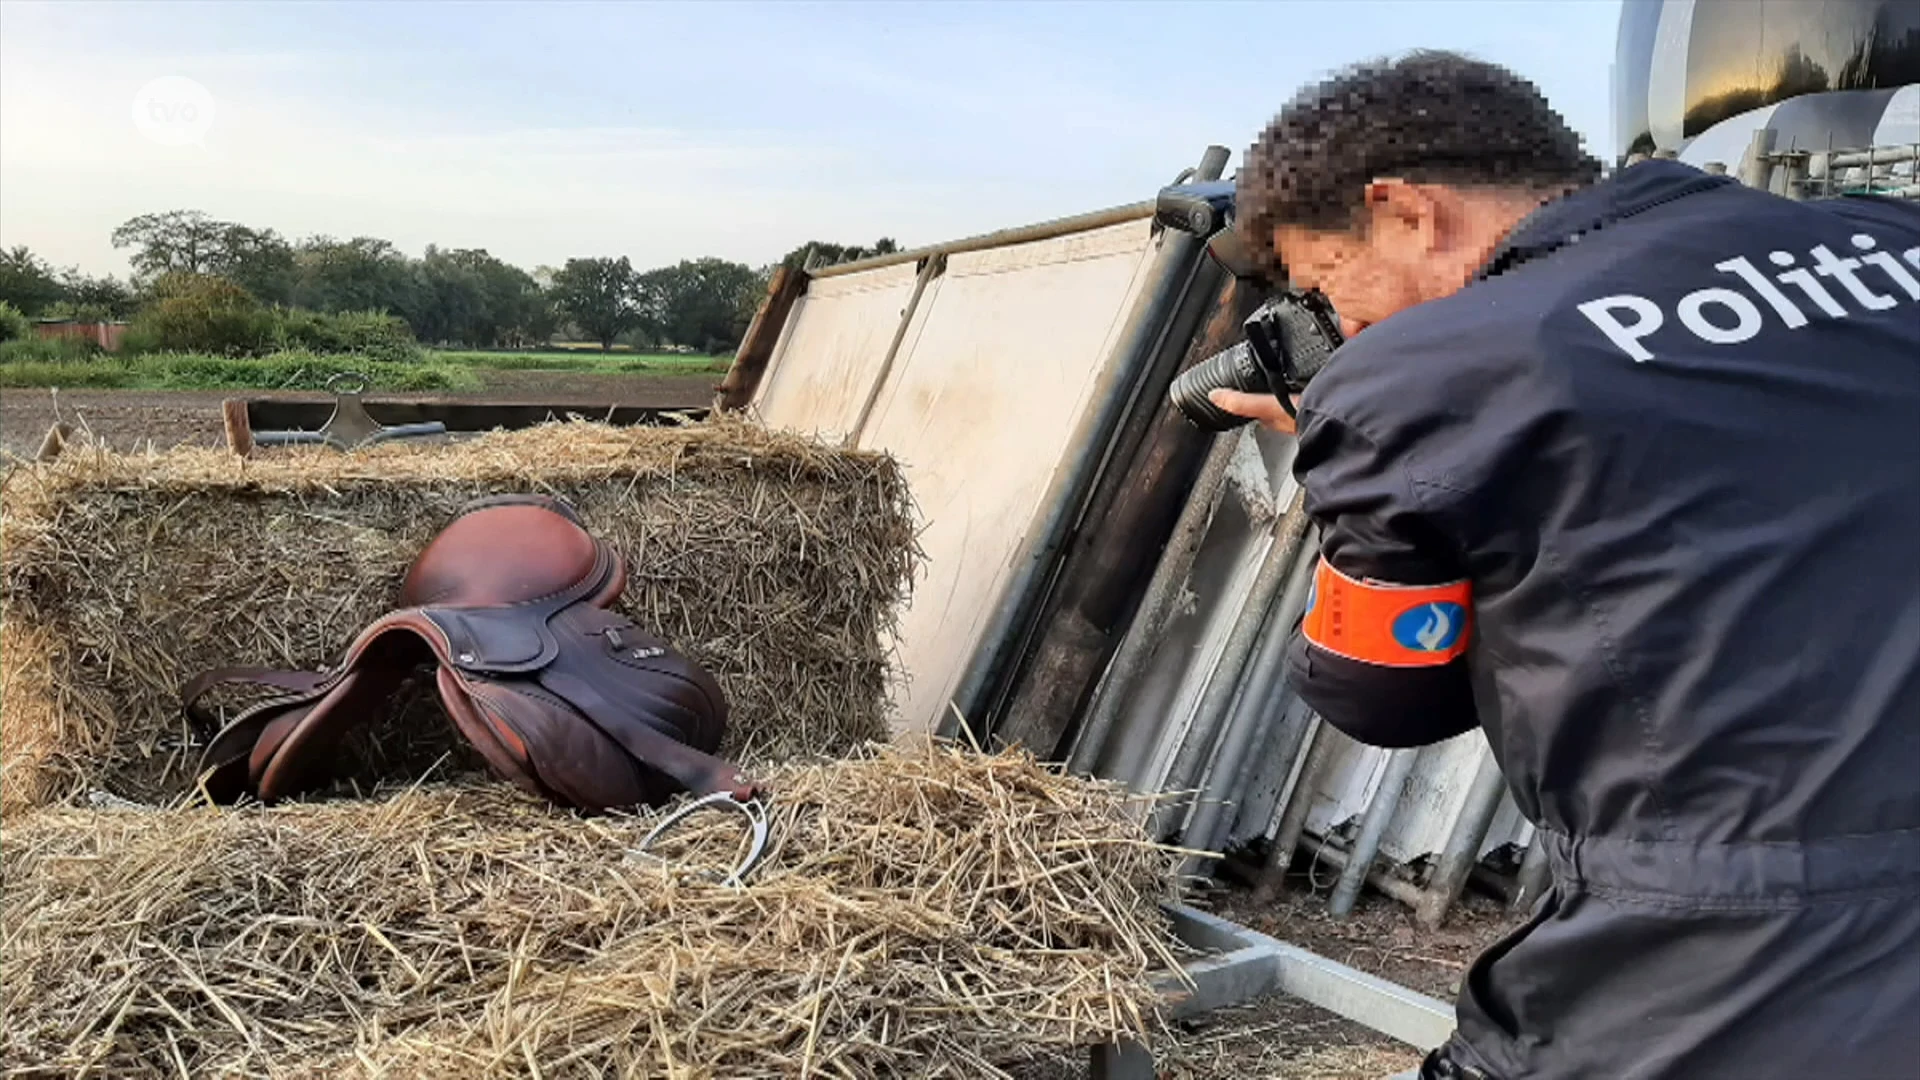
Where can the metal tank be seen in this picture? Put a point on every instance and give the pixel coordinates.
(1804, 97)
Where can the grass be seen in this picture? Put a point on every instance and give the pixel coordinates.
(582, 359)
(40, 364)
(189, 371)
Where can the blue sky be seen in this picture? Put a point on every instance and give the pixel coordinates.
(667, 131)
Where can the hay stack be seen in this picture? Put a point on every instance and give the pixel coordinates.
(774, 561)
(925, 911)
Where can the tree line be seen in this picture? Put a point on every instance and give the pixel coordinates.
(463, 297)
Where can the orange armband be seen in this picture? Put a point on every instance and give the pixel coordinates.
(1390, 625)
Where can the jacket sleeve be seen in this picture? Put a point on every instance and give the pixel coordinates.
(1373, 527)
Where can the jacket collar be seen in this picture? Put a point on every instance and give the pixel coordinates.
(1566, 219)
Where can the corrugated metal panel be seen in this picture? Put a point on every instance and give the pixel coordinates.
(1157, 718)
(1435, 796)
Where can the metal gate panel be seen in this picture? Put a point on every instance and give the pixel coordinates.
(831, 350)
(980, 404)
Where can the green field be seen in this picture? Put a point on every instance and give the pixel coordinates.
(441, 369)
(583, 358)
(190, 371)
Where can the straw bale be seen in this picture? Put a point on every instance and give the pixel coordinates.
(924, 910)
(777, 562)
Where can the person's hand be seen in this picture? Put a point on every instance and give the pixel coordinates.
(1263, 408)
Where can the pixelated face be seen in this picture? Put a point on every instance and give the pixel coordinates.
(1411, 243)
(1367, 276)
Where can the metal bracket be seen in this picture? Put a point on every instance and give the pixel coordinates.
(1245, 964)
(349, 427)
(756, 815)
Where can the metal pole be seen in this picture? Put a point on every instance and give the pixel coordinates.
(932, 268)
(1178, 266)
(1820, 174)
(1534, 876)
(1260, 719)
(1755, 168)
(1156, 607)
(1794, 182)
(1282, 737)
(1293, 813)
(1198, 747)
(1395, 888)
(1462, 850)
(1373, 827)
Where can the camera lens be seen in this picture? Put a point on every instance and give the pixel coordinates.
(1229, 369)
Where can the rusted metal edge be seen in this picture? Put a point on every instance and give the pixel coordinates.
(755, 353)
(1046, 230)
(238, 425)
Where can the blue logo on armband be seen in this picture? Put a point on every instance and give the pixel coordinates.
(1430, 627)
(1313, 593)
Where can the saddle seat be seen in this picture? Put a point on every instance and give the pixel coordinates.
(511, 606)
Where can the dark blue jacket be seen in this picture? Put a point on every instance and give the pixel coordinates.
(1671, 435)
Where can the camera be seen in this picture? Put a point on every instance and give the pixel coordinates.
(1289, 338)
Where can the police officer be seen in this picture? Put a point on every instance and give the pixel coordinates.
(1626, 472)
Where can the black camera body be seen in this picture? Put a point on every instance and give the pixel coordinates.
(1289, 339)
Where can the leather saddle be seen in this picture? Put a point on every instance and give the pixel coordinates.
(510, 607)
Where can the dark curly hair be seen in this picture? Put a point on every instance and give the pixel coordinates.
(1432, 117)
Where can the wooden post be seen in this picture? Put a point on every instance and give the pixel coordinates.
(54, 442)
(233, 412)
(750, 361)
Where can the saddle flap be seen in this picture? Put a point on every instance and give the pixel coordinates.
(543, 746)
(691, 770)
(665, 711)
(307, 753)
(293, 752)
(494, 641)
(226, 766)
(498, 742)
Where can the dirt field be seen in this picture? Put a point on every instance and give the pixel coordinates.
(134, 419)
(1274, 1038)
(1380, 937)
